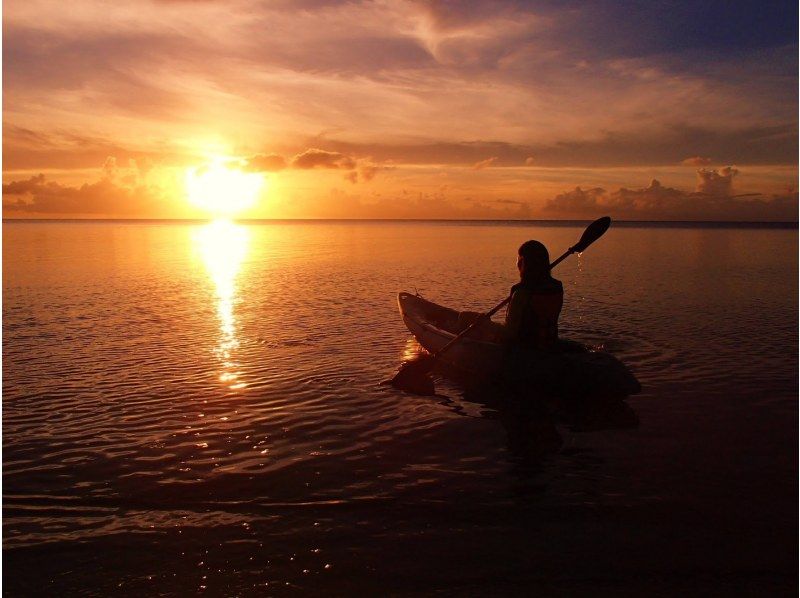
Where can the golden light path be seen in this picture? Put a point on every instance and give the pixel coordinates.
(223, 246)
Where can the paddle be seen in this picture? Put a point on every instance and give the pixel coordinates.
(414, 377)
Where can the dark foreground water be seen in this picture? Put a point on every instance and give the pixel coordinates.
(195, 409)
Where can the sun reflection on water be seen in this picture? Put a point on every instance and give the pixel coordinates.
(223, 246)
(412, 350)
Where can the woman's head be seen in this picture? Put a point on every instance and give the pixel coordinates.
(533, 261)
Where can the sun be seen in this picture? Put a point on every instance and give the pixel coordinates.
(222, 191)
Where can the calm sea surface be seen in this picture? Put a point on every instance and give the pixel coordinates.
(196, 408)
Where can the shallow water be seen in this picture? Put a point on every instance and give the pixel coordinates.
(196, 407)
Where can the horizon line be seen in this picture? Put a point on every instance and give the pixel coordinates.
(782, 223)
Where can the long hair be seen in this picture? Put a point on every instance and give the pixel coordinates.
(537, 261)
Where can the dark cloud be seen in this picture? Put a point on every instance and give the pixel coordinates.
(36, 195)
(35, 183)
(750, 145)
(713, 200)
(716, 182)
(362, 169)
(578, 201)
(318, 158)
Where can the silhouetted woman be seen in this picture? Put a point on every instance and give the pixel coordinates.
(536, 300)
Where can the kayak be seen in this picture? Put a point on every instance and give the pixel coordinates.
(570, 370)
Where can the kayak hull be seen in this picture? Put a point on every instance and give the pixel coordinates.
(569, 371)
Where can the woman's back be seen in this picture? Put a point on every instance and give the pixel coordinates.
(532, 316)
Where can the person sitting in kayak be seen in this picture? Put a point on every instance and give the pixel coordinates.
(536, 301)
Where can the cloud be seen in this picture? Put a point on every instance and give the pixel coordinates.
(318, 158)
(696, 161)
(754, 145)
(30, 185)
(29, 149)
(485, 163)
(359, 169)
(716, 182)
(713, 200)
(524, 73)
(265, 163)
(436, 83)
(36, 195)
(368, 170)
(463, 153)
(577, 201)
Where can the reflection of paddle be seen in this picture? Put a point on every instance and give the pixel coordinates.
(414, 375)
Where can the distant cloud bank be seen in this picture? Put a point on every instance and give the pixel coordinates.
(124, 191)
(713, 199)
(104, 198)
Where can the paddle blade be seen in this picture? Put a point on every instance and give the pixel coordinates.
(414, 376)
(593, 232)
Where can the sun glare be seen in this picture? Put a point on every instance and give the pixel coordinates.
(222, 191)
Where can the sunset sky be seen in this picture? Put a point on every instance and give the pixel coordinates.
(400, 109)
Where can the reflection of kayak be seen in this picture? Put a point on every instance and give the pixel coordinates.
(570, 371)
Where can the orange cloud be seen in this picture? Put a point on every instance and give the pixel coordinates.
(36, 195)
(485, 163)
(716, 182)
(265, 163)
(696, 161)
(317, 158)
(367, 170)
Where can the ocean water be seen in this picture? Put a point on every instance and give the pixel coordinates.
(196, 408)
